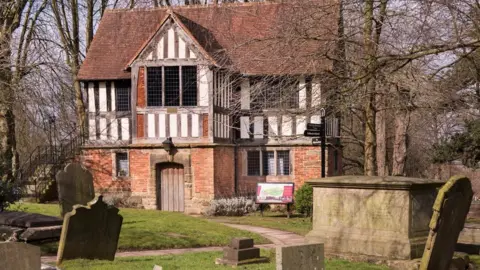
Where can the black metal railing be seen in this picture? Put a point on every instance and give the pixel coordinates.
(45, 161)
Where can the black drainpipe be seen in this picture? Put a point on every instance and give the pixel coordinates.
(235, 159)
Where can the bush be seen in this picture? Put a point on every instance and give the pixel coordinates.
(304, 200)
(237, 206)
(9, 193)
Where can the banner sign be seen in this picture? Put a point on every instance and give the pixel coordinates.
(281, 193)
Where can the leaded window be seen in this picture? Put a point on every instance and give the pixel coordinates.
(189, 83)
(268, 162)
(154, 86)
(253, 163)
(172, 86)
(122, 92)
(122, 164)
(283, 162)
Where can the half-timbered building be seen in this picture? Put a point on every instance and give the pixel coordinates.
(233, 86)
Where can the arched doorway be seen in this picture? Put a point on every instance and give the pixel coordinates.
(170, 187)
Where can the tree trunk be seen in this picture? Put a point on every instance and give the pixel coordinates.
(89, 27)
(369, 83)
(381, 134)
(402, 121)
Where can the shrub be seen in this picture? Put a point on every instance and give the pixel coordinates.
(237, 206)
(9, 193)
(304, 200)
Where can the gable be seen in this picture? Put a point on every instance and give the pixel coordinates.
(170, 42)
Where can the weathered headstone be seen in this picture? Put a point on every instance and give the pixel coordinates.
(241, 251)
(449, 213)
(15, 256)
(75, 186)
(303, 256)
(90, 232)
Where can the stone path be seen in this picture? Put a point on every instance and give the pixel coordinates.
(277, 237)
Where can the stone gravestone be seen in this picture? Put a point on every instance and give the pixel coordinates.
(449, 213)
(303, 256)
(90, 232)
(75, 186)
(240, 251)
(15, 256)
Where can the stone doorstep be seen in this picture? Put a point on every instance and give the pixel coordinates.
(240, 254)
(223, 261)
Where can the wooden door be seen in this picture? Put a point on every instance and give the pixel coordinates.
(170, 187)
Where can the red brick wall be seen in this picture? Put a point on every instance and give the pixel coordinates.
(205, 125)
(307, 164)
(100, 164)
(224, 171)
(140, 172)
(141, 100)
(202, 169)
(140, 126)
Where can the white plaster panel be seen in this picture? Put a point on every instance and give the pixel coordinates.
(125, 128)
(114, 129)
(302, 93)
(102, 87)
(160, 49)
(301, 123)
(91, 97)
(92, 130)
(113, 96)
(173, 125)
(171, 43)
(286, 125)
(244, 127)
(316, 92)
(151, 125)
(245, 94)
(181, 48)
(315, 119)
(273, 125)
(258, 127)
(205, 80)
(195, 125)
(162, 126)
(184, 123)
(103, 128)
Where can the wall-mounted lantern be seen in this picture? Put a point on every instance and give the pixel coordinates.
(168, 145)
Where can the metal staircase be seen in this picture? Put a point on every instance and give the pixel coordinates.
(37, 174)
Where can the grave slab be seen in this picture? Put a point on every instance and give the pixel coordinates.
(16, 256)
(303, 256)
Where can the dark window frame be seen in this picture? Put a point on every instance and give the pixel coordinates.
(253, 163)
(122, 156)
(122, 96)
(177, 95)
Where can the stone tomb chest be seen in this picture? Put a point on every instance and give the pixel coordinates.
(384, 217)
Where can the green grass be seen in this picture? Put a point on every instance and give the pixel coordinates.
(151, 229)
(204, 260)
(275, 220)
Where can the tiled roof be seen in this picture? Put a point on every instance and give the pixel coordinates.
(254, 39)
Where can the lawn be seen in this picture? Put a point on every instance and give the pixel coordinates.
(204, 260)
(275, 220)
(151, 229)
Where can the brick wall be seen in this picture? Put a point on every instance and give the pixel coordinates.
(141, 100)
(100, 164)
(202, 170)
(140, 126)
(224, 172)
(307, 164)
(140, 171)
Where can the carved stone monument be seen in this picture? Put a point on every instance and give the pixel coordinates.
(90, 232)
(241, 251)
(449, 214)
(302, 256)
(14, 256)
(384, 217)
(75, 186)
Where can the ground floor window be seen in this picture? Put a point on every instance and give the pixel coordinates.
(268, 163)
(122, 164)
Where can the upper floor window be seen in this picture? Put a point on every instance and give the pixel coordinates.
(271, 93)
(122, 92)
(172, 86)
